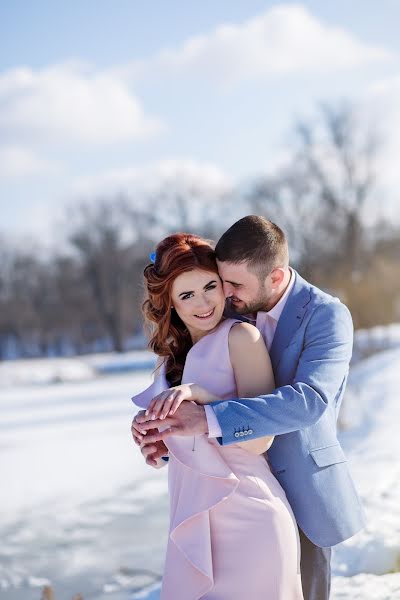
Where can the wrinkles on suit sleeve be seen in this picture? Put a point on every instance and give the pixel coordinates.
(321, 370)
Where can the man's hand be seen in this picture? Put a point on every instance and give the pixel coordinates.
(189, 419)
(136, 433)
(153, 452)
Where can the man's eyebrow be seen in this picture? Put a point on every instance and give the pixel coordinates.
(232, 282)
(192, 291)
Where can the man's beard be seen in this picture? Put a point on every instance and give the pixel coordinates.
(260, 303)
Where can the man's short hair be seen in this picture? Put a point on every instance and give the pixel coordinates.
(257, 241)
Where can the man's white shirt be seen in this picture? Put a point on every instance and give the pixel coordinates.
(266, 323)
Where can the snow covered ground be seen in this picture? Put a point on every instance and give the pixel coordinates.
(376, 339)
(78, 505)
(370, 561)
(80, 509)
(81, 368)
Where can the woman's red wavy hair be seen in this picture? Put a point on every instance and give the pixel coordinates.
(170, 339)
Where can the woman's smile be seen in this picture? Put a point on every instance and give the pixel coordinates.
(207, 315)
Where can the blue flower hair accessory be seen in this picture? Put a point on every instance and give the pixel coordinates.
(153, 257)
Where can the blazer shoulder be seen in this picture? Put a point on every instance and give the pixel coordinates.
(324, 305)
(322, 298)
(329, 313)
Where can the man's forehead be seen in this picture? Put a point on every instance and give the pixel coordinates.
(228, 270)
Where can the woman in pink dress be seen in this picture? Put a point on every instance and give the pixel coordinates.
(232, 532)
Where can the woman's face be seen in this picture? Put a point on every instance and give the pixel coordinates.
(199, 301)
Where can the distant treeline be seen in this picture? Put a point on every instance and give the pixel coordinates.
(86, 295)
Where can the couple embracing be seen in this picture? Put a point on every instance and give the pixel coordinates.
(253, 363)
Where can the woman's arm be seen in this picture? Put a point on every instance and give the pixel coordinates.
(167, 402)
(253, 372)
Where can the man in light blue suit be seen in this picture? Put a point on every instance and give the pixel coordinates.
(309, 334)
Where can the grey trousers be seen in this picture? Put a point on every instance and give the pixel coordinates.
(315, 566)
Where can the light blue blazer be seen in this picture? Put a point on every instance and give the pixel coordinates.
(310, 356)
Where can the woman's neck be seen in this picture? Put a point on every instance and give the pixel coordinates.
(198, 335)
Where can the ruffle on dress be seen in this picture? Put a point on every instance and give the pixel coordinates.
(160, 384)
(199, 481)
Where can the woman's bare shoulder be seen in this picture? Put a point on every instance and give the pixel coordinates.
(243, 333)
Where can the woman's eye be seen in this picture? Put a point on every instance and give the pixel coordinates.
(187, 297)
(212, 287)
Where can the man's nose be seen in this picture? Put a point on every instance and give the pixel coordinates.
(228, 290)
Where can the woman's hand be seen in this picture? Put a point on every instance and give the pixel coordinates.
(167, 403)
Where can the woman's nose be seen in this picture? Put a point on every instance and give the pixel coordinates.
(204, 302)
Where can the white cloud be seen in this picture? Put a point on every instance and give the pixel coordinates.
(47, 213)
(178, 174)
(285, 39)
(16, 162)
(70, 103)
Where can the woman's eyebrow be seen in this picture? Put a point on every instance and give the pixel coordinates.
(192, 291)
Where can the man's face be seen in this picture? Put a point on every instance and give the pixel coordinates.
(243, 288)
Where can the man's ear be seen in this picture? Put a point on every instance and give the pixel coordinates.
(277, 276)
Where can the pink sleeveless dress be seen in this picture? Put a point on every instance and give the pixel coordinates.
(232, 532)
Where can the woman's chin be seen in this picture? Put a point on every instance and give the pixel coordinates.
(211, 322)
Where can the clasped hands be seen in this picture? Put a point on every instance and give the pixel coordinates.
(169, 410)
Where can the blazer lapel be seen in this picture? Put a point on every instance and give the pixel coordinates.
(290, 319)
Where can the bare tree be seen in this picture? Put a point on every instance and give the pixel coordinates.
(104, 243)
(321, 195)
(90, 298)
(337, 156)
(180, 205)
(28, 306)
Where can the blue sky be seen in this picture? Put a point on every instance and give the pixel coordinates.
(98, 95)
(40, 32)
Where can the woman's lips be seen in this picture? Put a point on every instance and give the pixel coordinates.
(206, 316)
